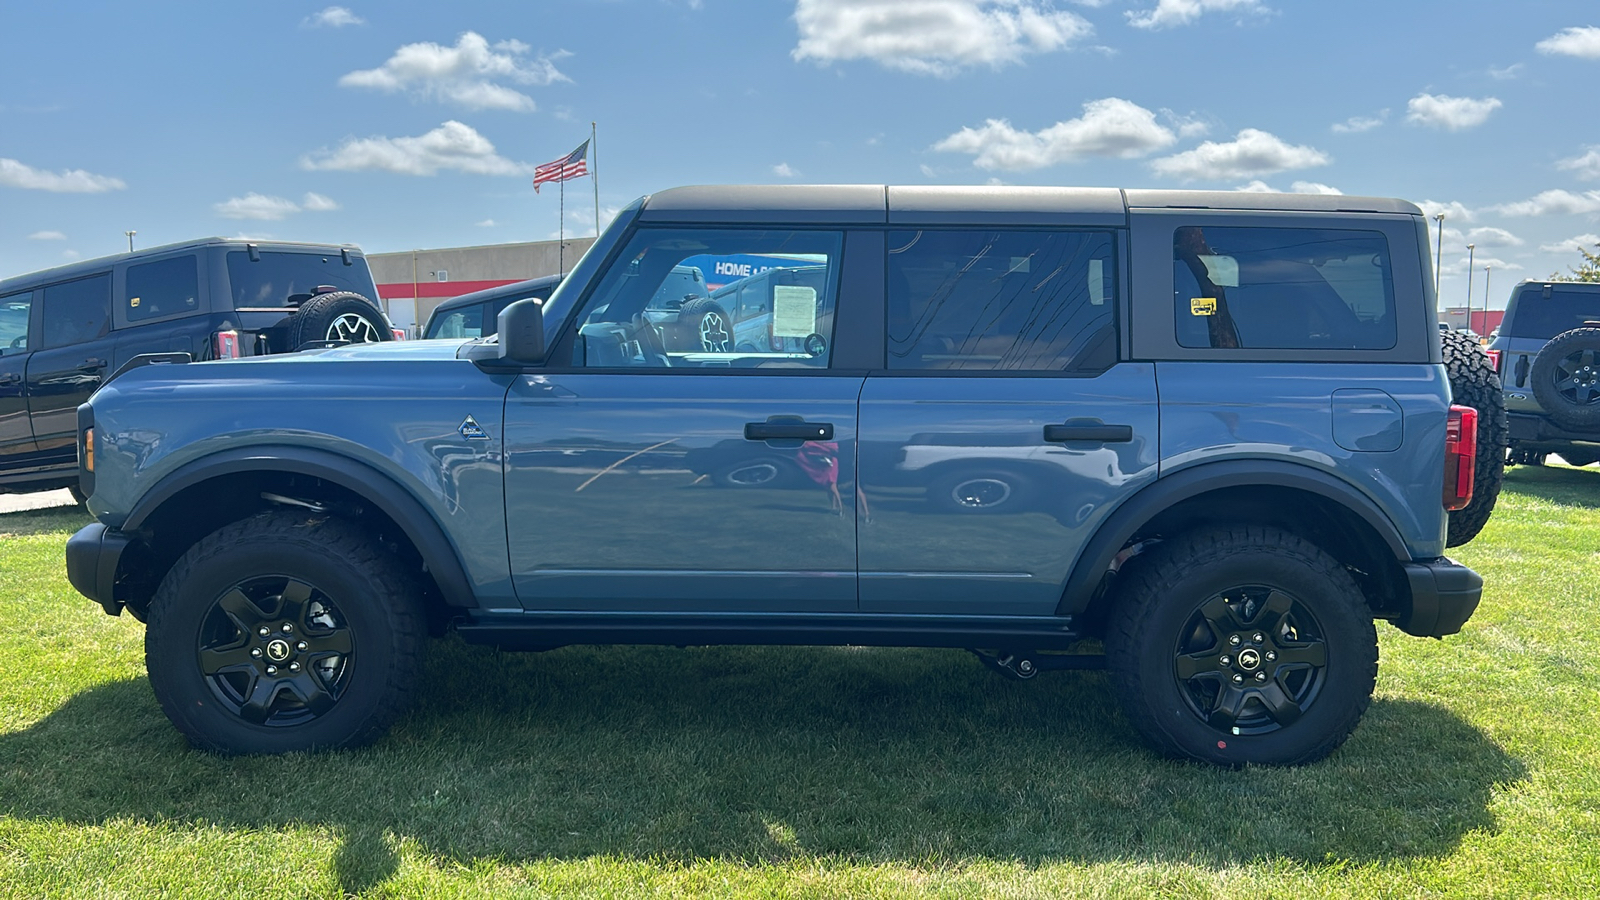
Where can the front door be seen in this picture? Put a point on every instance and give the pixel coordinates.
(1004, 430)
(648, 470)
(73, 359)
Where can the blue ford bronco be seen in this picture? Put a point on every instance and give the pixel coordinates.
(1208, 434)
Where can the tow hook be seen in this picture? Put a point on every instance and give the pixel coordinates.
(1022, 666)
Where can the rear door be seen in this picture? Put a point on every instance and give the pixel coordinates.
(76, 343)
(1004, 429)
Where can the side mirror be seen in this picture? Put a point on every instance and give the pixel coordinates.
(521, 329)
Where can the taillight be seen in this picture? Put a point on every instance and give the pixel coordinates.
(1460, 456)
(225, 345)
(399, 333)
(1494, 360)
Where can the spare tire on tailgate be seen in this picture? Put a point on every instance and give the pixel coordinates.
(338, 316)
(1566, 379)
(1473, 383)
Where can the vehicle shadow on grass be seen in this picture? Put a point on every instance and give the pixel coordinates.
(1562, 485)
(763, 754)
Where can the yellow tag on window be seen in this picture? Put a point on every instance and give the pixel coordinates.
(133, 301)
(1202, 306)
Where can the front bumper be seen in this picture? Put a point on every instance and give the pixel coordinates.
(92, 557)
(1443, 596)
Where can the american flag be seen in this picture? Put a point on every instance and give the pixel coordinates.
(573, 165)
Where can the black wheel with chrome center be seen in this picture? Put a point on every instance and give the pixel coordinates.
(276, 651)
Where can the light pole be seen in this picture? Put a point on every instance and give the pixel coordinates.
(130, 235)
(1469, 285)
(1437, 254)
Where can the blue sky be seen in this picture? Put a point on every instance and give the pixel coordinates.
(402, 125)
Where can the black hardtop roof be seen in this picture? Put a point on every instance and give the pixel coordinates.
(970, 204)
(498, 291)
(91, 266)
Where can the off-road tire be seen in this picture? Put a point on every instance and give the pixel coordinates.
(378, 607)
(1473, 383)
(1151, 634)
(1580, 348)
(704, 327)
(339, 315)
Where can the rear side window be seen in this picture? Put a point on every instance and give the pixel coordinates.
(1001, 301)
(1282, 288)
(14, 322)
(168, 287)
(289, 279)
(77, 311)
(1542, 317)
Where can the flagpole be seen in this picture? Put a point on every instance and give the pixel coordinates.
(561, 241)
(594, 174)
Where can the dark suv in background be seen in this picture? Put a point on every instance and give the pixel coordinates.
(63, 330)
(1548, 355)
(474, 315)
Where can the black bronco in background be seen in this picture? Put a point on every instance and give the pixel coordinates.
(1546, 354)
(63, 330)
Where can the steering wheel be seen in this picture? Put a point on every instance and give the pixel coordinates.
(649, 339)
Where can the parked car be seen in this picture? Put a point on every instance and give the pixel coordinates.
(65, 329)
(475, 315)
(752, 301)
(1228, 414)
(1548, 357)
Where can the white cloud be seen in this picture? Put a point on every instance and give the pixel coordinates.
(1170, 13)
(1554, 203)
(1493, 237)
(784, 170)
(1314, 187)
(47, 236)
(317, 203)
(1587, 166)
(466, 74)
(1256, 187)
(1508, 73)
(1450, 113)
(450, 146)
(933, 37)
(333, 17)
(928, 172)
(1573, 244)
(72, 181)
(256, 206)
(71, 255)
(1358, 124)
(1581, 42)
(1111, 127)
(1454, 211)
(1186, 126)
(486, 223)
(1251, 153)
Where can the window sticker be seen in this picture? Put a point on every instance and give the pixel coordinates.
(794, 311)
(1202, 306)
(1222, 270)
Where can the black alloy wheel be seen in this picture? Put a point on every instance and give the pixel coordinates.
(1250, 660)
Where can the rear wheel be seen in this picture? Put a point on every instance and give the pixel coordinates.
(282, 632)
(1242, 645)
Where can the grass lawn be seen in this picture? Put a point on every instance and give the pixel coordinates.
(626, 772)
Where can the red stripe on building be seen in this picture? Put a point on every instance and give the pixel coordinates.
(405, 290)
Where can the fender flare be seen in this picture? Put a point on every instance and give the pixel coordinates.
(1170, 490)
(371, 485)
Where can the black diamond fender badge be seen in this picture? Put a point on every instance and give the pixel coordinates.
(472, 431)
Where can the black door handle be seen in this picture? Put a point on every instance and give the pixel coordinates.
(93, 364)
(9, 379)
(788, 428)
(1104, 434)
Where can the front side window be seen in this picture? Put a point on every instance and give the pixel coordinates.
(168, 287)
(77, 311)
(1282, 288)
(1001, 301)
(279, 279)
(653, 308)
(14, 322)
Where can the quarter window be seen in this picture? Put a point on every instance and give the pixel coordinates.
(654, 308)
(1001, 301)
(466, 322)
(1282, 288)
(165, 288)
(77, 311)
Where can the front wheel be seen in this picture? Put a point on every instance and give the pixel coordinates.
(1242, 645)
(283, 632)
